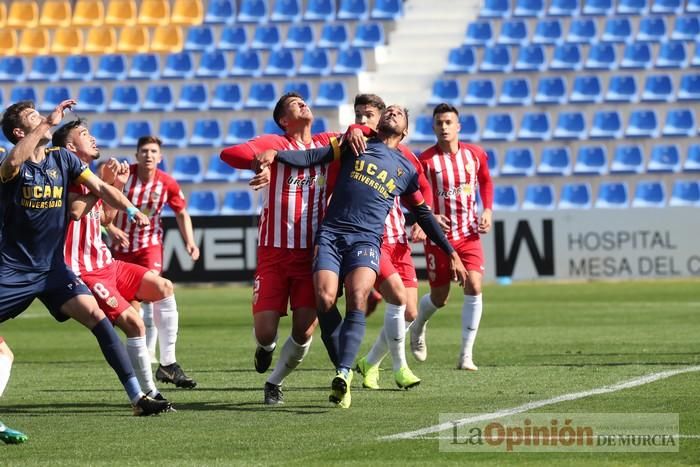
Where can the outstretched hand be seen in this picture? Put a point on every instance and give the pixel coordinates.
(56, 116)
(263, 160)
(261, 179)
(459, 272)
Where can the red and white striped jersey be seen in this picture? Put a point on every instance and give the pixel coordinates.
(150, 198)
(454, 179)
(84, 250)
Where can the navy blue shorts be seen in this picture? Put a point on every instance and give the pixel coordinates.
(18, 289)
(335, 253)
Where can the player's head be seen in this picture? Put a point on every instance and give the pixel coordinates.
(291, 110)
(148, 153)
(75, 137)
(394, 121)
(21, 118)
(368, 109)
(446, 123)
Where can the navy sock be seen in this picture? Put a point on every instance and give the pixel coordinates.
(351, 333)
(115, 354)
(329, 322)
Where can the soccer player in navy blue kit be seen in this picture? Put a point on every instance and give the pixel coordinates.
(33, 215)
(349, 239)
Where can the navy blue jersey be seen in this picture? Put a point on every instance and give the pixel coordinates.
(34, 211)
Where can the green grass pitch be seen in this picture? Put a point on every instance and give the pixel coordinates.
(536, 341)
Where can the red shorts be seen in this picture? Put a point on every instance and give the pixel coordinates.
(283, 276)
(396, 258)
(470, 252)
(150, 258)
(115, 286)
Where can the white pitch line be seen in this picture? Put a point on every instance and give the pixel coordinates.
(537, 404)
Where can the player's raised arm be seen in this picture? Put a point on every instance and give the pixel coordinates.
(310, 157)
(114, 198)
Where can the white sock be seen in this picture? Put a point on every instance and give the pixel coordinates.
(395, 331)
(151, 329)
(471, 316)
(5, 366)
(269, 347)
(166, 318)
(291, 356)
(426, 309)
(141, 361)
(379, 349)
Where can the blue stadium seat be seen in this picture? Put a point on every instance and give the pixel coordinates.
(303, 88)
(178, 65)
(133, 130)
(601, 56)
(461, 60)
(632, 7)
(199, 39)
(124, 99)
(664, 158)
(314, 63)
(499, 127)
(551, 90)
(203, 203)
(331, 94)
(570, 125)
(75, 67)
(518, 162)
(563, 8)
(280, 63)
(582, 31)
(535, 126)
(206, 132)
(566, 57)
(159, 97)
(692, 160)
(219, 171)
(513, 32)
(575, 196)
(271, 128)
(695, 61)
(92, 99)
(227, 96)
(480, 92)
(355, 10)
(515, 91)
(44, 68)
(286, 11)
(349, 61)
(667, 6)
(505, 198)
(320, 10)
(586, 90)
(246, 63)
(555, 161)
(547, 31)
(679, 122)
(144, 66)
(261, 95)
(685, 193)
(445, 90)
(642, 123)
(606, 124)
(193, 97)
(531, 58)
(266, 37)
(689, 89)
(105, 134)
(686, 28)
(621, 88)
(423, 131)
(233, 38)
(637, 55)
(212, 65)
(651, 29)
(693, 6)
(598, 7)
(23, 93)
(495, 9)
(252, 11)
(658, 88)
(173, 133)
(617, 29)
(492, 161)
(240, 131)
(479, 33)
(496, 59)
(628, 158)
(299, 36)
(649, 194)
(538, 196)
(529, 8)
(612, 195)
(220, 12)
(334, 36)
(237, 202)
(187, 169)
(53, 95)
(369, 35)
(591, 160)
(469, 128)
(672, 55)
(111, 67)
(320, 125)
(387, 9)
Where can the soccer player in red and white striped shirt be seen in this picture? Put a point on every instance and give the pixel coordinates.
(456, 171)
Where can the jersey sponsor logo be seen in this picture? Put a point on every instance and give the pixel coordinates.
(112, 301)
(306, 181)
(455, 191)
(371, 175)
(42, 197)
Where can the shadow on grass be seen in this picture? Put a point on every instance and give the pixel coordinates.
(253, 407)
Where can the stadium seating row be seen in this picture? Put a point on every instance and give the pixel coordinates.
(206, 203)
(537, 8)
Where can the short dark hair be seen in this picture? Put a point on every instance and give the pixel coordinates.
(372, 100)
(278, 113)
(144, 140)
(12, 118)
(60, 137)
(445, 108)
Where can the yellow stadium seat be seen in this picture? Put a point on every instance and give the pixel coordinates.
(3, 14)
(154, 13)
(67, 41)
(187, 12)
(89, 13)
(34, 42)
(8, 41)
(121, 13)
(23, 14)
(101, 40)
(167, 39)
(133, 39)
(56, 13)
